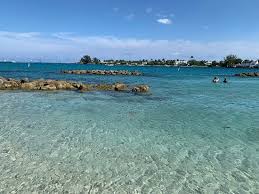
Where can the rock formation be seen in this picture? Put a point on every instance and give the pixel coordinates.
(141, 89)
(51, 85)
(103, 72)
(248, 74)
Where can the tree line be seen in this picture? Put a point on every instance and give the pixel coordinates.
(88, 60)
(229, 61)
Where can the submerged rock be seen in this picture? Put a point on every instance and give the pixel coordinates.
(248, 74)
(103, 72)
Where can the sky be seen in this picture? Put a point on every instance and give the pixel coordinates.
(64, 30)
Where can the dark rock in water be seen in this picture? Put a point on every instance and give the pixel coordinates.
(103, 72)
(141, 89)
(248, 74)
(83, 87)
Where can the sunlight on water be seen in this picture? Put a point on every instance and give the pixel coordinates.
(187, 136)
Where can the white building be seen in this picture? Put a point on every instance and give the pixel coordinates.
(208, 63)
(249, 65)
(181, 62)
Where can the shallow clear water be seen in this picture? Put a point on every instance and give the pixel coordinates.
(187, 136)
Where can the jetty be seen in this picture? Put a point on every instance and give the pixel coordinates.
(54, 85)
(103, 72)
(248, 74)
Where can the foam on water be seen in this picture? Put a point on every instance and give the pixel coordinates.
(188, 136)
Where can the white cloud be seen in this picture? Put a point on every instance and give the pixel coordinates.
(149, 10)
(165, 21)
(68, 47)
(19, 35)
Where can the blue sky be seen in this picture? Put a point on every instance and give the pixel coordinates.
(63, 30)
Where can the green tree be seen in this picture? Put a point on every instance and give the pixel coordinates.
(232, 60)
(193, 63)
(196, 63)
(96, 61)
(85, 59)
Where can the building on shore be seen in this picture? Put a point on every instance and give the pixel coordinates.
(181, 62)
(252, 64)
(208, 63)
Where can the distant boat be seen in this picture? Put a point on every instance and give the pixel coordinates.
(29, 65)
(179, 68)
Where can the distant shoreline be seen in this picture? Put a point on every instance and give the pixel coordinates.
(126, 65)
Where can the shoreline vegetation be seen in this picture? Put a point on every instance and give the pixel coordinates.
(54, 85)
(230, 61)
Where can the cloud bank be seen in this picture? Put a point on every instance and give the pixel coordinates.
(165, 21)
(67, 47)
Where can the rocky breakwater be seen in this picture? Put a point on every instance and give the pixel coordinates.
(248, 74)
(52, 85)
(140, 89)
(103, 72)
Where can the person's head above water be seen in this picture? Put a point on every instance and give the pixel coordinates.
(215, 80)
(225, 80)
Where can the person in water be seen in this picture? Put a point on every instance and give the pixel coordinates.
(215, 80)
(225, 80)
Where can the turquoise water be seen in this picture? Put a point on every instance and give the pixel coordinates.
(187, 136)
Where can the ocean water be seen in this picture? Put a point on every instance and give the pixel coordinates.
(186, 136)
